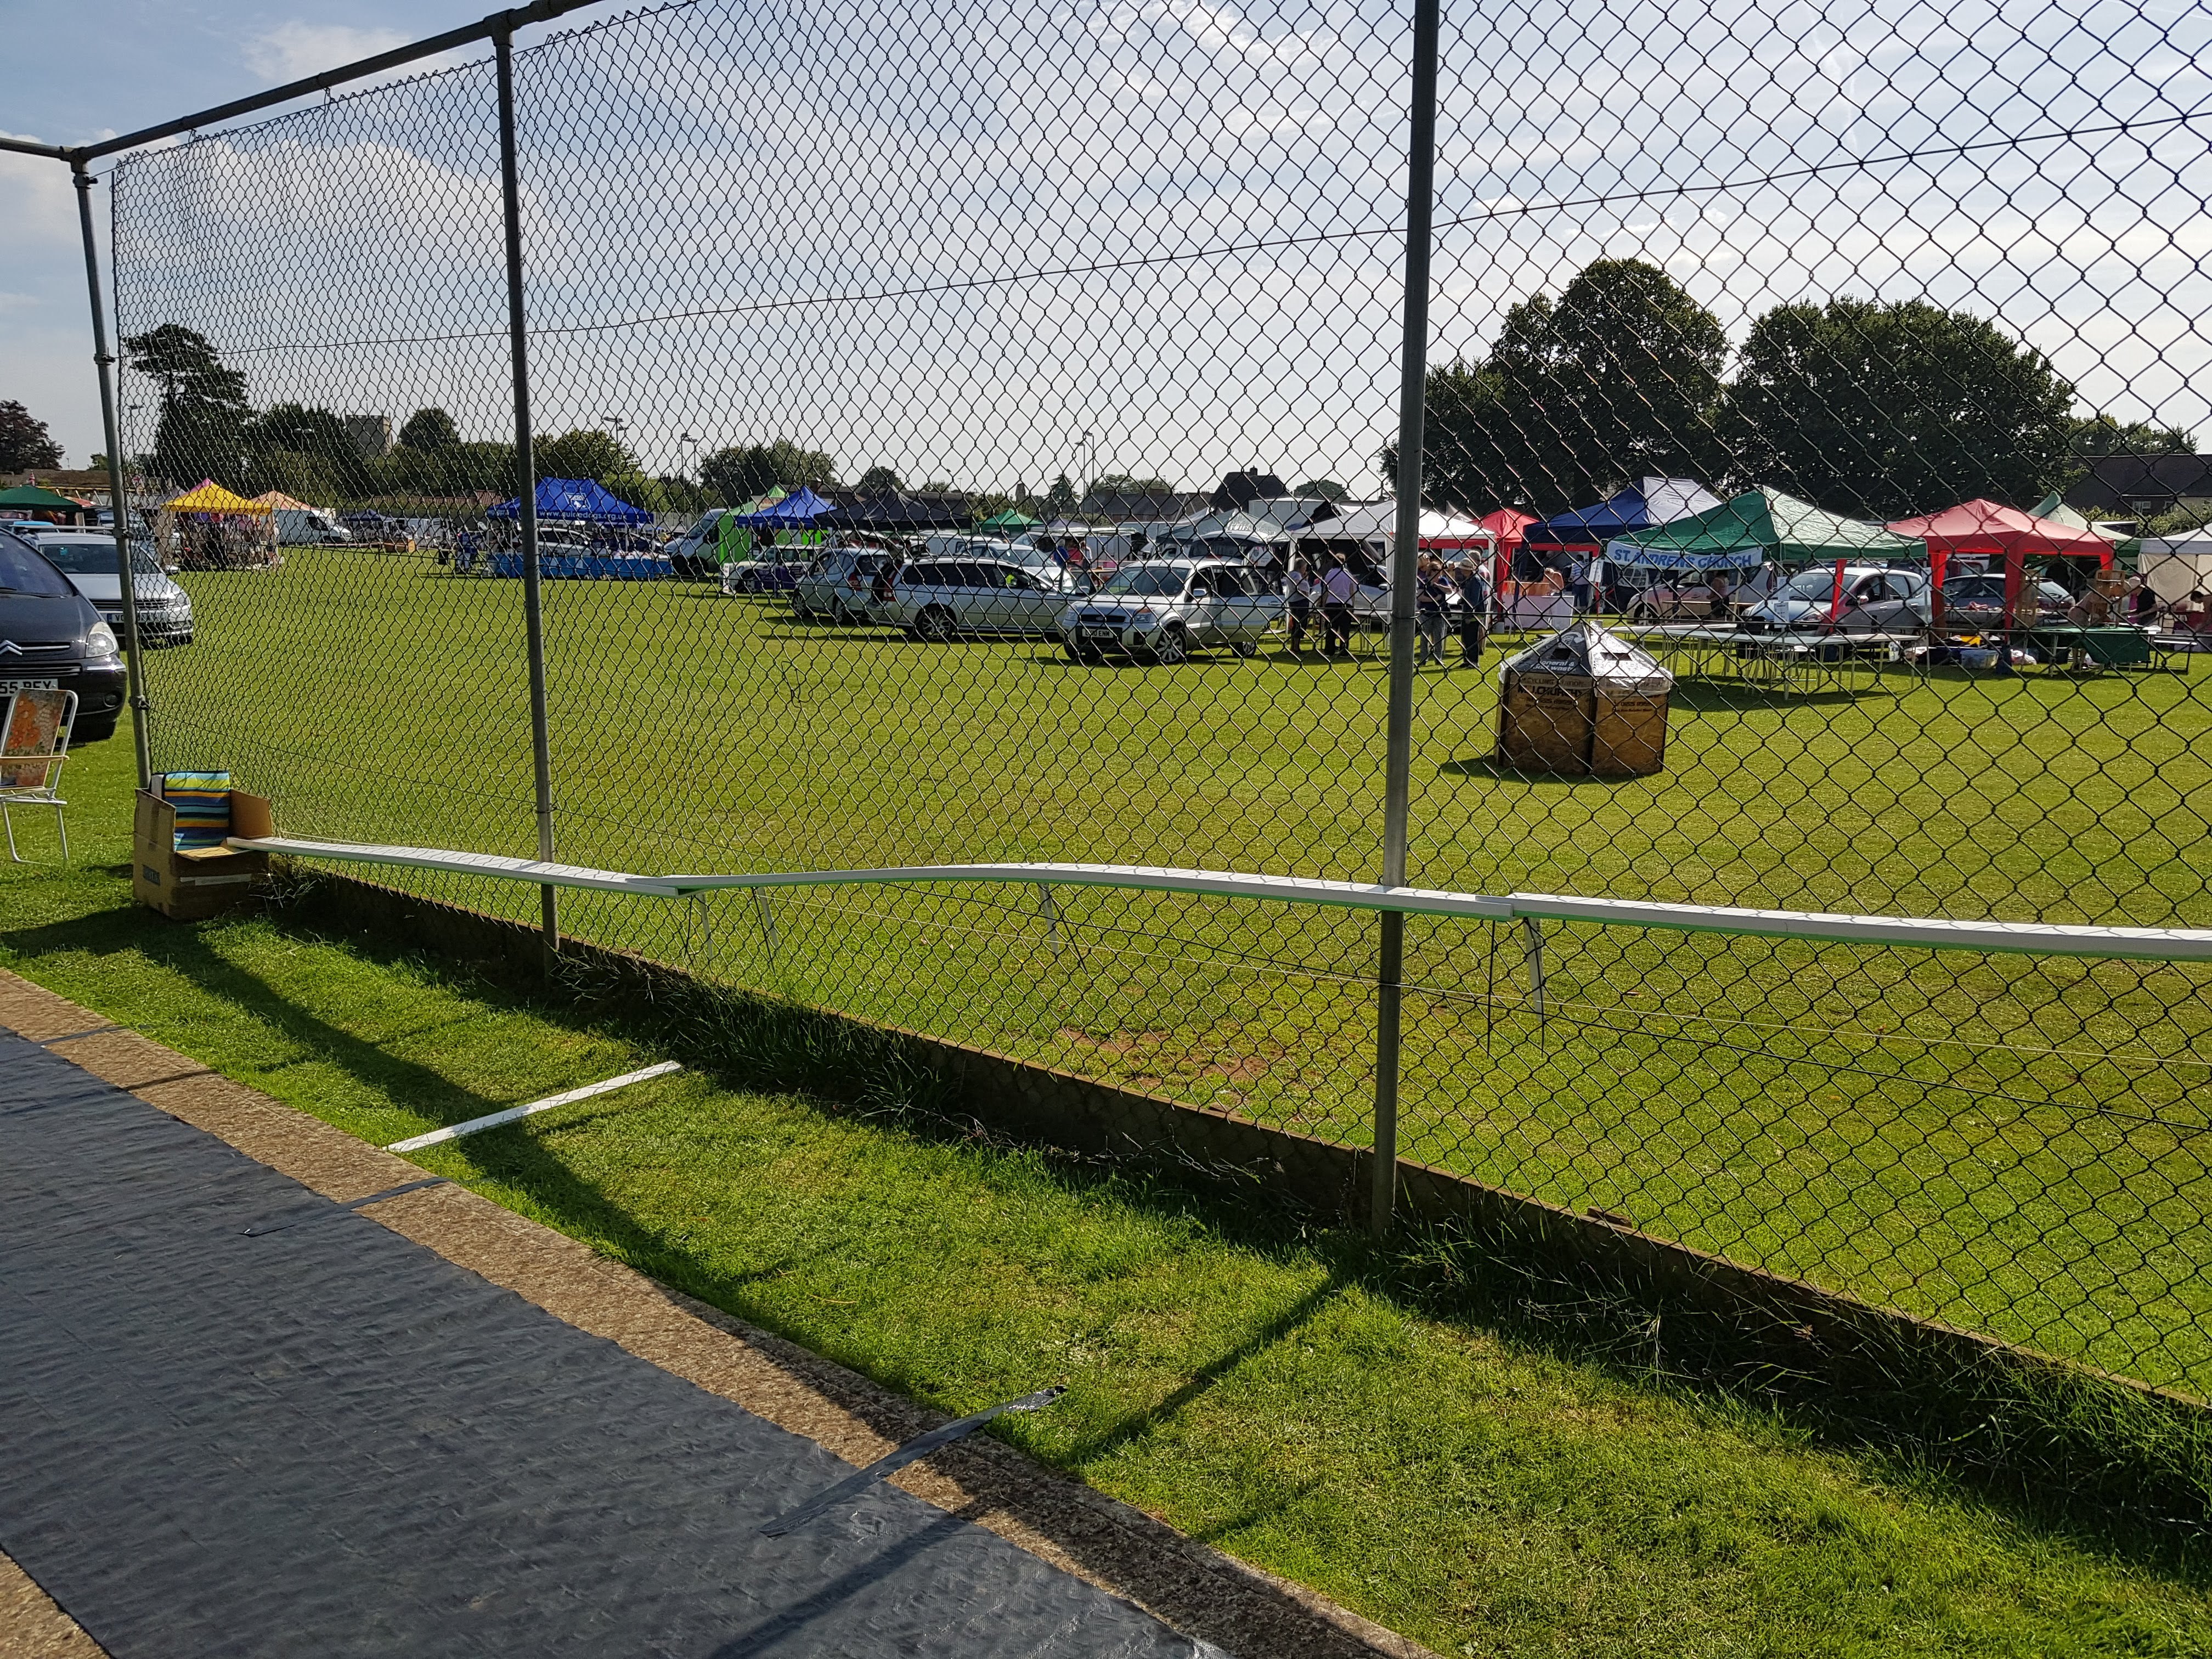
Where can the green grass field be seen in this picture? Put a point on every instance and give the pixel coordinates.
(1284, 1393)
(2011, 1144)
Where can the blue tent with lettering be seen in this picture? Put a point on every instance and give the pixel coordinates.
(576, 501)
(797, 511)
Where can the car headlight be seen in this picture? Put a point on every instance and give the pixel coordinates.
(1144, 619)
(99, 641)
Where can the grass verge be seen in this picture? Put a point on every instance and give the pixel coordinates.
(1486, 1471)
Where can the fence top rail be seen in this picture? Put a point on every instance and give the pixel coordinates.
(485, 29)
(2030, 938)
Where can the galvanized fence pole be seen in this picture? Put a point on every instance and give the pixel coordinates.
(103, 361)
(1405, 553)
(525, 494)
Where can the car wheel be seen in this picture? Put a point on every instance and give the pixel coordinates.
(1174, 648)
(1244, 647)
(934, 625)
(801, 612)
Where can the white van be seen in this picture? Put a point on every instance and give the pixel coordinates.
(307, 527)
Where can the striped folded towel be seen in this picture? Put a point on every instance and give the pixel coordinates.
(202, 803)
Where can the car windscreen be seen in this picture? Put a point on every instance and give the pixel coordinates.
(22, 571)
(1816, 584)
(1973, 587)
(90, 557)
(1145, 582)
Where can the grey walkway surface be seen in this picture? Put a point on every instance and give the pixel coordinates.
(330, 1440)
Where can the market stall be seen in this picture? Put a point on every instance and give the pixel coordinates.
(2002, 537)
(208, 527)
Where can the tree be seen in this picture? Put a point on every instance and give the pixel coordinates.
(878, 480)
(1879, 409)
(1618, 378)
(1326, 489)
(737, 475)
(429, 430)
(25, 443)
(312, 446)
(2102, 435)
(203, 407)
(586, 453)
(1059, 500)
(1126, 483)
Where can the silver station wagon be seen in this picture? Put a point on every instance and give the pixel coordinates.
(950, 599)
(1163, 610)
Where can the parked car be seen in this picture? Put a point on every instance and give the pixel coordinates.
(760, 575)
(88, 558)
(1875, 601)
(377, 529)
(839, 583)
(1971, 601)
(942, 599)
(51, 636)
(1162, 611)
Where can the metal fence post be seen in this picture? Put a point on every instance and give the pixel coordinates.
(525, 494)
(142, 741)
(1404, 553)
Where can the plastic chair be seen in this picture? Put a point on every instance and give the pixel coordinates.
(34, 738)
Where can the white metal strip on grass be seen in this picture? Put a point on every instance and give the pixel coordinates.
(513, 1114)
(1932, 933)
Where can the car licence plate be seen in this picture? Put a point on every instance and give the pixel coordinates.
(1095, 633)
(7, 686)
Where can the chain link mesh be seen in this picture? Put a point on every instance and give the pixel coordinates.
(991, 276)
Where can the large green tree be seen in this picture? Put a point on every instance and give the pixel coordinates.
(737, 475)
(1880, 408)
(204, 413)
(25, 443)
(291, 440)
(1618, 378)
(429, 430)
(586, 453)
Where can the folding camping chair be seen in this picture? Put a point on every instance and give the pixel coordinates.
(34, 737)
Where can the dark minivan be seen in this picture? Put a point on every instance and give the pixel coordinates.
(50, 635)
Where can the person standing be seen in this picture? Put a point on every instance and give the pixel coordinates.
(1300, 588)
(1339, 589)
(1473, 612)
(1429, 591)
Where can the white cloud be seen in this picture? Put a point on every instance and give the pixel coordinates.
(292, 50)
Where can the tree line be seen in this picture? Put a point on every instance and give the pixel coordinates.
(1873, 409)
(208, 428)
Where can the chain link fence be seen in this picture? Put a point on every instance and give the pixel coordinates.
(1087, 322)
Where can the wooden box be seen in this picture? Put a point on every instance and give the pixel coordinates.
(206, 881)
(1544, 728)
(1628, 733)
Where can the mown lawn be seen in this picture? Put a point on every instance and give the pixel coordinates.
(1282, 1393)
(2011, 1144)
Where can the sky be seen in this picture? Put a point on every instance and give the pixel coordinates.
(988, 241)
(133, 63)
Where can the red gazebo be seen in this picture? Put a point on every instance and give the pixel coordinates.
(1990, 530)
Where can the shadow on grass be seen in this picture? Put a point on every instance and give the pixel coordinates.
(1700, 696)
(2082, 1460)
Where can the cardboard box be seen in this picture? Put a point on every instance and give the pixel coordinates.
(207, 881)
